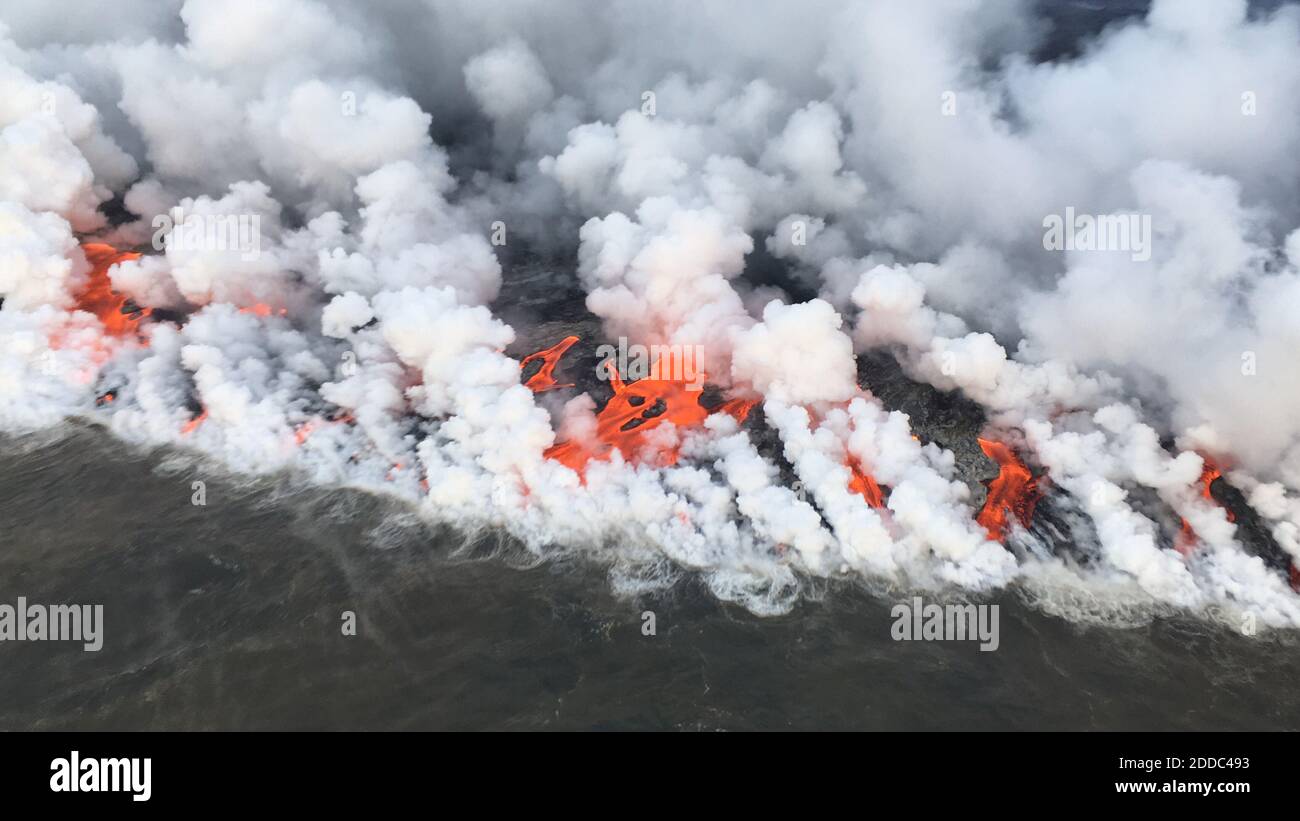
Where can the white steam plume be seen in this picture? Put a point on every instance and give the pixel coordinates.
(895, 161)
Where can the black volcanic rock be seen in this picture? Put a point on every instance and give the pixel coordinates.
(1253, 530)
(531, 368)
(946, 418)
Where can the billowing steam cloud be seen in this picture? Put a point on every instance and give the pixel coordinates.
(898, 162)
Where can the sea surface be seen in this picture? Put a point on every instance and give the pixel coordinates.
(229, 616)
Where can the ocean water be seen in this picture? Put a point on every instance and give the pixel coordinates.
(229, 616)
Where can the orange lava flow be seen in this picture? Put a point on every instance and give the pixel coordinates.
(99, 298)
(304, 430)
(262, 309)
(544, 379)
(194, 423)
(1014, 491)
(1210, 472)
(1187, 538)
(633, 410)
(865, 484)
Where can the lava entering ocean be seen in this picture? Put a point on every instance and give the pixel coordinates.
(1187, 538)
(194, 422)
(263, 310)
(1014, 491)
(633, 410)
(118, 314)
(864, 484)
(640, 406)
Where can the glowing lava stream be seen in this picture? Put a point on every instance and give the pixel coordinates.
(97, 295)
(117, 315)
(643, 405)
(1187, 538)
(1186, 541)
(1014, 491)
(544, 379)
(864, 484)
(633, 410)
(193, 423)
(263, 310)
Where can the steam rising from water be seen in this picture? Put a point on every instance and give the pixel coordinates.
(900, 161)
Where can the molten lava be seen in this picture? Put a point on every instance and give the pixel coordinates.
(544, 378)
(1187, 537)
(1209, 473)
(864, 484)
(118, 315)
(1014, 491)
(304, 430)
(1186, 540)
(194, 423)
(263, 310)
(633, 410)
